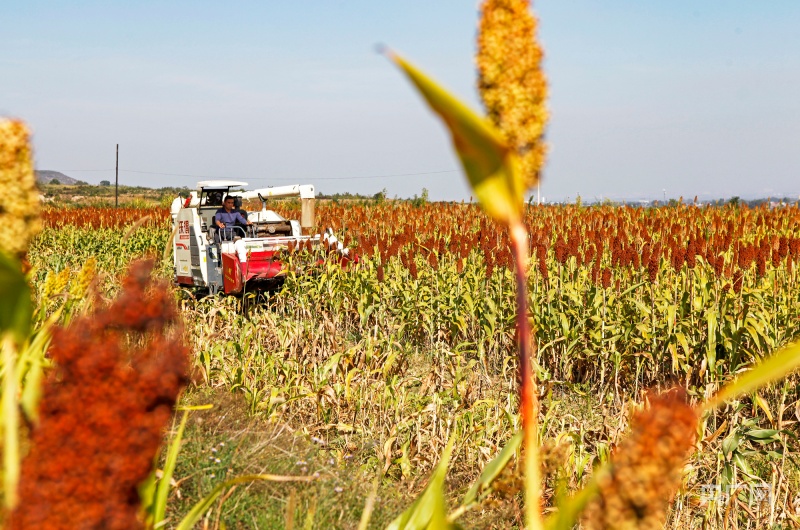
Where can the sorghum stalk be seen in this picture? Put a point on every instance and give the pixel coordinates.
(10, 420)
(529, 406)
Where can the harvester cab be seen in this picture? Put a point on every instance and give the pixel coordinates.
(244, 257)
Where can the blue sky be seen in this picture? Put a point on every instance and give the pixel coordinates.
(695, 98)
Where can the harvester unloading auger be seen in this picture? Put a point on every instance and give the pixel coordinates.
(247, 257)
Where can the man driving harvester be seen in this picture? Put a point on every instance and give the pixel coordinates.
(228, 216)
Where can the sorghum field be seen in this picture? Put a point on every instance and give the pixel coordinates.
(349, 375)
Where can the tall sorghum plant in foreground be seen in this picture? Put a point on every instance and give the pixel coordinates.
(19, 209)
(500, 165)
(111, 379)
(634, 489)
(513, 88)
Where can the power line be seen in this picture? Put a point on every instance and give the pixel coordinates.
(391, 175)
(134, 171)
(169, 174)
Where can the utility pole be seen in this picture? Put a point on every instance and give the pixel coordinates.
(116, 182)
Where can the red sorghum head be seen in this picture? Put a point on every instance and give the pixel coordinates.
(652, 266)
(606, 277)
(761, 264)
(719, 264)
(104, 408)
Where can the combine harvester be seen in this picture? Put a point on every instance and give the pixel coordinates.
(238, 258)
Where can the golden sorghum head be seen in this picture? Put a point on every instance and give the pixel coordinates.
(80, 286)
(19, 201)
(56, 282)
(48, 288)
(511, 82)
(645, 470)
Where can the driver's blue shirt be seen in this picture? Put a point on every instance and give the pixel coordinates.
(229, 218)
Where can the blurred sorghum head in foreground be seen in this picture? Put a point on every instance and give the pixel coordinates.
(511, 81)
(105, 405)
(645, 470)
(19, 201)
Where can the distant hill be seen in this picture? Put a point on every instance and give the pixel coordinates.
(45, 177)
